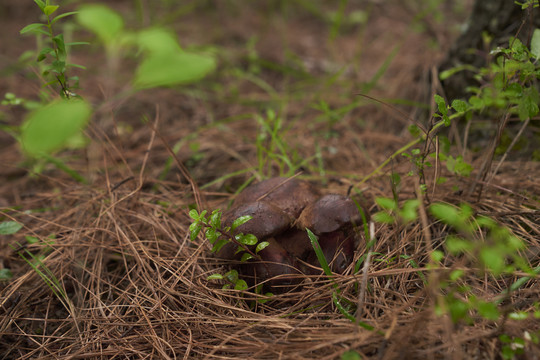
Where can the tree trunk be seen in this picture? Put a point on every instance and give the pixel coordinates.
(498, 20)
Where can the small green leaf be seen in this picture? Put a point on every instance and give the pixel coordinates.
(5, 274)
(215, 277)
(215, 219)
(61, 16)
(447, 214)
(34, 28)
(194, 230)
(240, 221)
(232, 276)
(383, 218)
(518, 315)
(41, 4)
(212, 235)
(458, 310)
(10, 227)
(386, 203)
(441, 104)
(260, 246)
(457, 245)
(241, 285)
(49, 9)
(351, 355)
(43, 53)
(488, 310)
(459, 105)
(246, 257)
(49, 128)
(169, 69)
(493, 259)
(101, 20)
(437, 255)
(59, 41)
(194, 214)
(456, 275)
(218, 245)
(246, 239)
(409, 211)
(535, 43)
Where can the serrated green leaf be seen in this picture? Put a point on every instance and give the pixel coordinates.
(459, 105)
(49, 128)
(441, 104)
(240, 221)
(260, 246)
(9, 227)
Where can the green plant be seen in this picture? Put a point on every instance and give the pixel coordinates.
(218, 236)
(56, 71)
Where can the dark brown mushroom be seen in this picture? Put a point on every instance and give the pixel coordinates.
(331, 212)
(289, 194)
(332, 218)
(268, 220)
(277, 270)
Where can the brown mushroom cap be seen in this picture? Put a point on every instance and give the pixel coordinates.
(289, 194)
(330, 213)
(268, 220)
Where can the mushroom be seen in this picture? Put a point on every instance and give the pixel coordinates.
(332, 218)
(289, 194)
(282, 209)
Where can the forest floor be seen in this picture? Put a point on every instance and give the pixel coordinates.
(117, 275)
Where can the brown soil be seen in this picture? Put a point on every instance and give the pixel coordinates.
(136, 287)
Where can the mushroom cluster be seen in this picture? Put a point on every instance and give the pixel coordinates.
(281, 210)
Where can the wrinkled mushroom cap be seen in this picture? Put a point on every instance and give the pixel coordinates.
(330, 213)
(289, 194)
